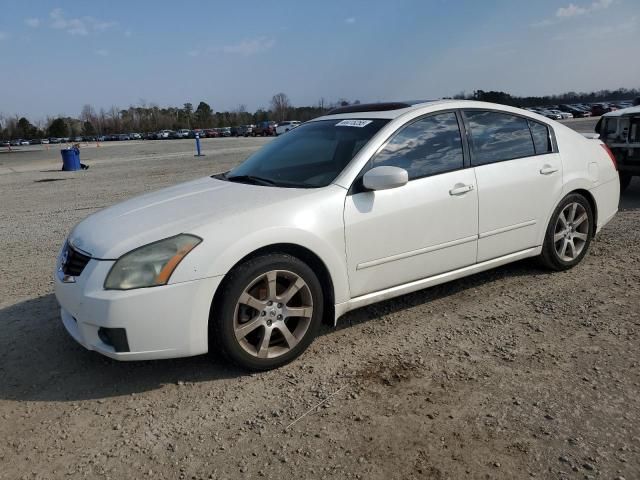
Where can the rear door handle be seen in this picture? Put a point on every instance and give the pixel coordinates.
(548, 170)
(460, 189)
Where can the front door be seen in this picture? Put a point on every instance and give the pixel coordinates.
(426, 227)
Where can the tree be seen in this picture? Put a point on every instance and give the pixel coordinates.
(88, 129)
(187, 113)
(58, 128)
(88, 114)
(280, 106)
(25, 129)
(204, 115)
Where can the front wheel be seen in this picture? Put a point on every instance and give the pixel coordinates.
(268, 313)
(569, 233)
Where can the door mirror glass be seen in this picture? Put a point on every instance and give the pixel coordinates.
(385, 177)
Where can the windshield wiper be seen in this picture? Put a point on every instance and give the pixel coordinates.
(251, 179)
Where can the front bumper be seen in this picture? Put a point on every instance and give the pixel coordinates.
(160, 322)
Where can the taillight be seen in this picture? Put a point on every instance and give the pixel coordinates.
(611, 155)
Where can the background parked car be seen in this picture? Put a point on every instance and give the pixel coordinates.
(165, 134)
(598, 109)
(225, 132)
(284, 127)
(265, 129)
(246, 130)
(563, 115)
(211, 133)
(547, 113)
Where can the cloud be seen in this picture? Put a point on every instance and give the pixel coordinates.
(32, 22)
(77, 26)
(249, 47)
(350, 20)
(4, 35)
(103, 52)
(573, 10)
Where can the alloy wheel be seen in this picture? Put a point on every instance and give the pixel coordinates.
(273, 314)
(571, 232)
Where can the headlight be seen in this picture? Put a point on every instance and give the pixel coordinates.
(150, 265)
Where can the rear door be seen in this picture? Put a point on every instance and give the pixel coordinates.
(519, 175)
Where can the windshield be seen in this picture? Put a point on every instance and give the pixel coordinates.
(309, 156)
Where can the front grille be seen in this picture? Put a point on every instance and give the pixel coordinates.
(75, 262)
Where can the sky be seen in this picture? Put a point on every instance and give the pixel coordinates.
(59, 55)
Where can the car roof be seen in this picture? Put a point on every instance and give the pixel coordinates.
(370, 111)
(386, 110)
(624, 111)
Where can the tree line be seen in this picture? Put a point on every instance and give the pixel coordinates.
(563, 98)
(151, 117)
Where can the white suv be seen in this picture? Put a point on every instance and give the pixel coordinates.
(361, 205)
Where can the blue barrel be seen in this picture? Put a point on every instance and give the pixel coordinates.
(70, 159)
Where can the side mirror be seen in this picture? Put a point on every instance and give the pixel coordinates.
(385, 177)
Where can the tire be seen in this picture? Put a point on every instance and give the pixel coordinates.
(625, 180)
(568, 234)
(248, 309)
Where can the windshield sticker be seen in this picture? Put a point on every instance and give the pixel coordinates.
(353, 123)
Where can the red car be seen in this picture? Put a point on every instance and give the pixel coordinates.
(265, 129)
(599, 109)
(211, 133)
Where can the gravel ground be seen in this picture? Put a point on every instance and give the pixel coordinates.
(513, 373)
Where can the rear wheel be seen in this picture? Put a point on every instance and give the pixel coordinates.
(568, 234)
(268, 313)
(625, 180)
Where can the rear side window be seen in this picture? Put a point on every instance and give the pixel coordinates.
(426, 147)
(498, 136)
(540, 135)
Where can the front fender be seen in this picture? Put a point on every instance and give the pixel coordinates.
(316, 226)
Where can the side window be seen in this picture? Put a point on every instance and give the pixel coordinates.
(541, 140)
(498, 136)
(426, 147)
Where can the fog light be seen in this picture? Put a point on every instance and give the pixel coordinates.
(114, 337)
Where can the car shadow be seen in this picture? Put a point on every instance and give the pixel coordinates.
(527, 267)
(630, 198)
(39, 361)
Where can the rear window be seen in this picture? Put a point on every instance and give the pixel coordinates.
(498, 136)
(541, 139)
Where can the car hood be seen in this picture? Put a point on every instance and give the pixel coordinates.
(109, 233)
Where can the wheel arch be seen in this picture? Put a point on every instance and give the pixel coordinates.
(592, 202)
(302, 253)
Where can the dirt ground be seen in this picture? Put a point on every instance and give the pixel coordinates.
(513, 373)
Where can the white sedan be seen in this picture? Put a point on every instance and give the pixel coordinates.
(361, 205)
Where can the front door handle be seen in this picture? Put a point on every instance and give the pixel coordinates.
(548, 170)
(460, 189)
